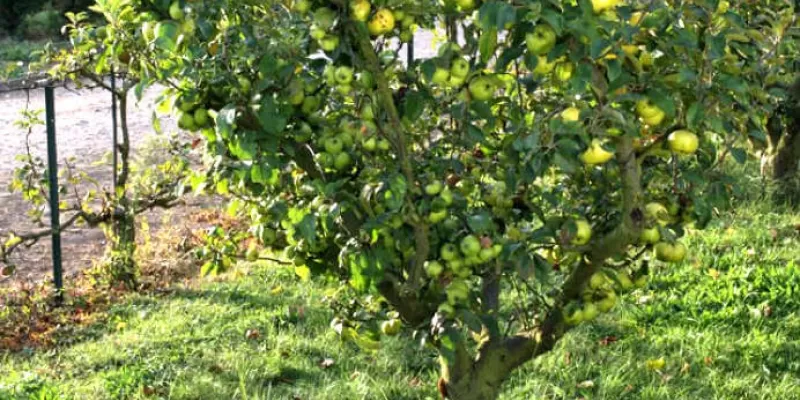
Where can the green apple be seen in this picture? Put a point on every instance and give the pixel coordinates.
(344, 90)
(541, 40)
(433, 188)
(657, 213)
(301, 6)
(408, 21)
(381, 23)
(470, 245)
(624, 281)
(647, 109)
(383, 144)
(333, 145)
(571, 114)
(447, 196)
(433, 269)
(543, 66)
(317, 33)
(296, 96)
(391, 327)
(440, 76)
(342, 161)
(460, 68)
(574, 316)
(602, 5)
(655, 119)
(324, 159)
(310, 105)
(457, 291)
(437, 216)
(466, 5)
(329, 43)
(596, 154)
(590, 311)
(201, 117)
(367, 112)
(564, 71)
(252, 252)
(187, 122)
(683, 142)
(244, 84)
(486, 255)
(405, 36)
(449, 252)
(176, 11)
(607, 303)
(669, 252)
(370, 144)
(324, 18)
(650, 236)
(583, 232)
(343, 75)
(359, 10)
(482, 88)
(455, 81)
(598, 280)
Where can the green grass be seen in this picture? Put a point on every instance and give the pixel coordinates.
(705, 318)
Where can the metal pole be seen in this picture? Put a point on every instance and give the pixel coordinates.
(410, 51)
(114, 127)
(114, 162)
(52, 171)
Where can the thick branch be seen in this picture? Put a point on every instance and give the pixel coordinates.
(396, 132)
(510, 353)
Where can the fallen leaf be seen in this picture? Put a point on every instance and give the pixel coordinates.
(713, 273)
(252, 334)
(774, 234)
(607, 340)
(326, 363)
(355, 375)
(708, 360)
(685, 368)
(767, 310)
(415, 382)
(587, 384)
(567, 358)
(628, 387)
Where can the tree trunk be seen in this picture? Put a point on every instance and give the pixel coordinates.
(780, 161)
(477, 387)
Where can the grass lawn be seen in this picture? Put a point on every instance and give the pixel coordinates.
(726, 324)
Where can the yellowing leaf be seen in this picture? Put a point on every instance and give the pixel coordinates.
(713, 273)
(303, 272)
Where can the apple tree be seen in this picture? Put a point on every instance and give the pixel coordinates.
(542, 162)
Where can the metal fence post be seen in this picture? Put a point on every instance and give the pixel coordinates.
(115, 139)
(52, 171)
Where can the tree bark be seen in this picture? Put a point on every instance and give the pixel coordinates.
(780, 161)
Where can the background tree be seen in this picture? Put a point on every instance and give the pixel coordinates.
(494, 196)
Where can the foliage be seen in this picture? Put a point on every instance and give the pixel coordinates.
(528, 158)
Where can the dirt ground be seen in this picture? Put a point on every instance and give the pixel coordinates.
(84, 134)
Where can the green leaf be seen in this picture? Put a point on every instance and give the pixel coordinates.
(413, 105)
(480, 223)
(270, 116)
(740, 155)
(488, 44)
(226, 121)
(694, 115)
(307, 228)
